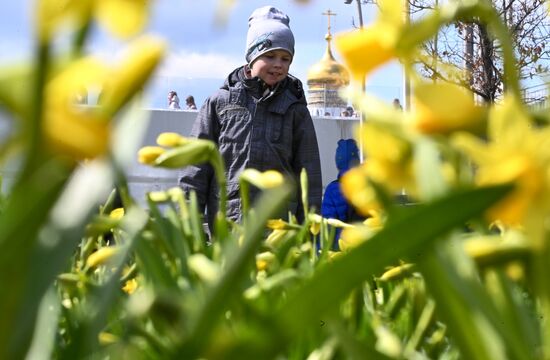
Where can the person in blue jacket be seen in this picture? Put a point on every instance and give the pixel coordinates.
(334, 204)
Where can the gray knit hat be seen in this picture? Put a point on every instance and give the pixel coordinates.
(268, 30)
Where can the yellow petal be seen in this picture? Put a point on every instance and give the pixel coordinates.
(366, 49)
(101, 256)
(117, 213)
(130, 286)
(144, 54)
(357, 189)
(77, 131)
(51, 14)
(276, 224)
(263, 180)
(123, 18)
(444, 107)
(171, 139)
(148, 154)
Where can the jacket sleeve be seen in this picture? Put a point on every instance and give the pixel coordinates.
(199, 178)
(306, 156)
(329, 208)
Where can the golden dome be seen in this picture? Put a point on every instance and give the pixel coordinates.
(328, 71)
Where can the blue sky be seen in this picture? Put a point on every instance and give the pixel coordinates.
(202, 51)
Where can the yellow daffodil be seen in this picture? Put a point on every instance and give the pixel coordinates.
(263, 180)
(81, 132)
(516, 152)
(374, 221)
(148, 154)
(117, 213)
(143, 56)
(130, 286)
(101, 256)
(52, 14)
(70, 129)
(389, 156)
(353, 237)
(106, 338)
(275, 238)
(265, 260)
(280, 224)
(443, 107)
(366, 49)
(123, 18)
(357, 189)
(171, 139)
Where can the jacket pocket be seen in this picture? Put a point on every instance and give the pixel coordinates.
(234, 124)
(275, 128)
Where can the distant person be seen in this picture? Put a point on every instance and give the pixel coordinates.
(190, 103)
(350, 111)
(173, 100)
(397, 104)
(334, 204)
(259, 120)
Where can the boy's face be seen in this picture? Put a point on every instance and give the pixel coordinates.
(272, 66)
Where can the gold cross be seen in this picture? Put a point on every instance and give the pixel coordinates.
(329, 13)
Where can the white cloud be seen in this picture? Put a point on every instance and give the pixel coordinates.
(190, 64)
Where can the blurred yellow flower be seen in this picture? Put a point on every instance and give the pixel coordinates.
(265, 260)
(84, 132)
(374, 221)
(117, 213)
(275, 238)
(263, 180)
(357, 189)
(123, 18)
(52, 14)
(143, 56)
(353, 237)
(366, 49)
(130, 286)
(171, 139)
(106, 338)
(517, 152)
(71, 129)
(444, 107)
(148, 154)
(101, 256)
(389, 156)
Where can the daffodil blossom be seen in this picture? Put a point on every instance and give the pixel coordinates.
(444, 107)
(366, 49)
(516, 152)
(123, 18)
(70, 129)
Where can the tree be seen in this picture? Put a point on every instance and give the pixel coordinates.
(470, 47)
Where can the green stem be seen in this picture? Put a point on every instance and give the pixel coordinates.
(535, 229)
(219, 170)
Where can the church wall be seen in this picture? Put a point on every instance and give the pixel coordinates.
(143, 178)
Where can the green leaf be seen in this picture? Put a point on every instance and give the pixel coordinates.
(217, 299)
(406, 237)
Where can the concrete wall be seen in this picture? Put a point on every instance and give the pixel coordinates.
(145, 178)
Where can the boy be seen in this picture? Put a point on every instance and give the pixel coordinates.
(259, 120)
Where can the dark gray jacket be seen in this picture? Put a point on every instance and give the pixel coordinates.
(253, 130)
